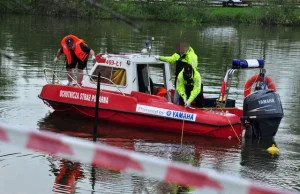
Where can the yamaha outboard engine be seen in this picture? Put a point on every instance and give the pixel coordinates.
(262, 114)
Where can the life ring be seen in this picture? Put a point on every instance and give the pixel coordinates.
(256, 78)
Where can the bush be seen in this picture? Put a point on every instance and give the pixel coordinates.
(279, 12)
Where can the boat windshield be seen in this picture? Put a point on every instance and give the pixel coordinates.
(114, 74)
(151, 77)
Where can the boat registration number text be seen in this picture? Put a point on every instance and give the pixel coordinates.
(114, 63)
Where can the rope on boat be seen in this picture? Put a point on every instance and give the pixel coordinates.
(182, 128)
(72, 106)
(87, 152)
(218, 105)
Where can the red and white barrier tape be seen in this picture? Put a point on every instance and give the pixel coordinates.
(204, 181)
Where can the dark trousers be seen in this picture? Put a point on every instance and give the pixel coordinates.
(80, 64)
(198, 100)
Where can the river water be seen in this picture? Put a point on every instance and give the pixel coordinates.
(33, 41)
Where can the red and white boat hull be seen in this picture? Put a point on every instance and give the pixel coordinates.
(144, 111)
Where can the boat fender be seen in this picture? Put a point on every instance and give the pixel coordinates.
(256, 78)
(273, 149)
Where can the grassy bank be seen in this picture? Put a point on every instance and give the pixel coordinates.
(270, 13)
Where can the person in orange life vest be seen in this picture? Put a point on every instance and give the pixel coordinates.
(77, 53)
(68, 174)
(189, 86)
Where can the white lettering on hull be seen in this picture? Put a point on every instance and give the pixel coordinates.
(82, 96)
(166, 112)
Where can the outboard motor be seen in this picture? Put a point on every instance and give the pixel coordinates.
(262, 114)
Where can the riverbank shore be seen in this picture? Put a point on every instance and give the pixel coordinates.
(270, 13)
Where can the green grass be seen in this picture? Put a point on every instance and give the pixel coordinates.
(285, 14)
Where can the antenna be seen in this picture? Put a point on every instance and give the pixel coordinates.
(149, 48)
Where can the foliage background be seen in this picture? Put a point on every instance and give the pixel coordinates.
(276, 12)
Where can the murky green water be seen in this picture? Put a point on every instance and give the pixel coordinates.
(33, 42)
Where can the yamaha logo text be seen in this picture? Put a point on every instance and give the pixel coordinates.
(266, 101)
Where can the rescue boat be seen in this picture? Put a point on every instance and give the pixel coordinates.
(136, 90)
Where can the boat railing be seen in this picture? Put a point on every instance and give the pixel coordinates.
(110, 81)
(53, 77)
(238, 64)
(226, 84)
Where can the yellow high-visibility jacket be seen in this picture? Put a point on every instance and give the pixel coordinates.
(195, 80)
(190, 58)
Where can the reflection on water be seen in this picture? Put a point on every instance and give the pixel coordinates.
(258, 164)
(67, 174)
(70, 175)
(249, 159)
(196, 151)
(255, 157)
(33, 42)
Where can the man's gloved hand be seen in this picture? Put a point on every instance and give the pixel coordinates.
(187, 104)
(94, 59)
(157, 57)
(184, 101)
(55, 60)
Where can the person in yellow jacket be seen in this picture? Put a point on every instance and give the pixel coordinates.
(189, 86)
(77, 53)
(184, 55)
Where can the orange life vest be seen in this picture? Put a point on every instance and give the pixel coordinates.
(161, 92)
(78, 51)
